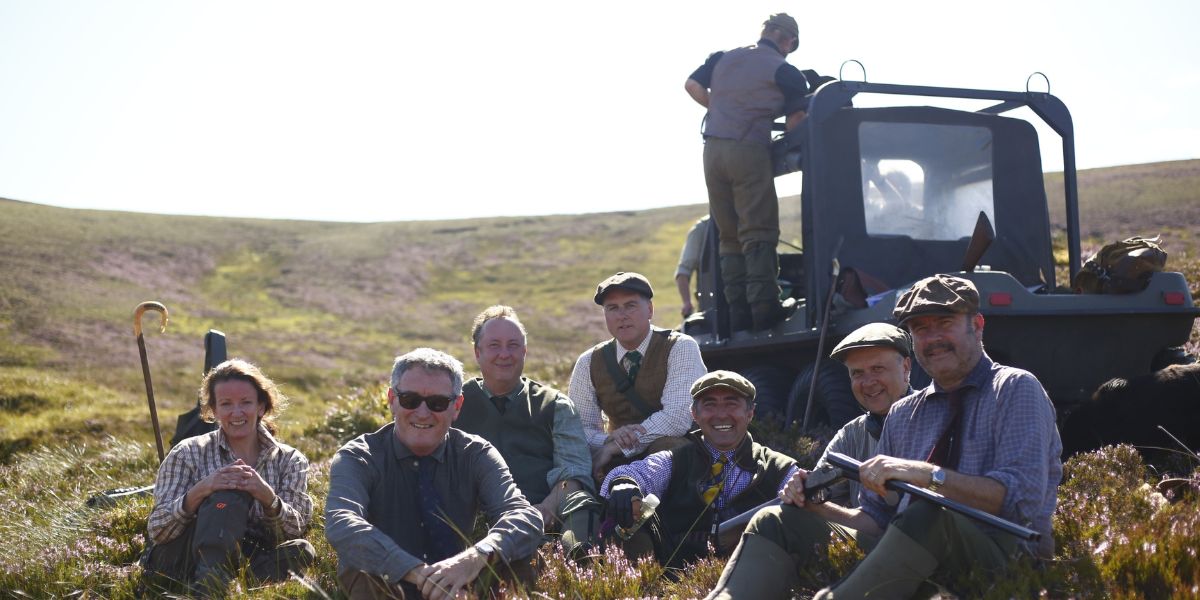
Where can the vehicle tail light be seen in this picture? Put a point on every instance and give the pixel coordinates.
(1000, 299)
(1173, 298)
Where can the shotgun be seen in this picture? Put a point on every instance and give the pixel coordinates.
(816, 490)
(849, 468)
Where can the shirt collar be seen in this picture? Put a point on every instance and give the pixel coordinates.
(766, 42)
(267, 446)
(977, 378)
(514, 394)
(742, 456)
(621, 351)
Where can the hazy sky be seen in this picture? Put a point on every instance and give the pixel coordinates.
(384, 111)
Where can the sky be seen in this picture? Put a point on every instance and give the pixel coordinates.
(370, 111)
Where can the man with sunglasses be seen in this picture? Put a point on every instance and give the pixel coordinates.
(719, 474)
(745, 90)
(637, 381)
(535, 428)
(403, 499)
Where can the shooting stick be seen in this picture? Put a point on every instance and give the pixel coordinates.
(141, 342)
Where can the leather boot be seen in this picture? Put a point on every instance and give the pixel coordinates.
(739, 317)
(759, 568)
(896, 568)
(769, 313)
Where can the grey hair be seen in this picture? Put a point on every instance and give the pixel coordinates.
(498, 311)
(430, 360)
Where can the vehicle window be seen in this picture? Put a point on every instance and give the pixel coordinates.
(925, 181)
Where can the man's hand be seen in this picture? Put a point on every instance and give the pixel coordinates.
(601, 457)
(418, 575)
(687, 309)
(627, 437)
(877, 470)
(793, 490)
(620, 502)
(449, 577)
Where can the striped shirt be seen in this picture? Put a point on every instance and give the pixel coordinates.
(284, 468)
(684, 367)
(1008, 434)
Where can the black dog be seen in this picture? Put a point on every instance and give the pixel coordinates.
(1130, 411)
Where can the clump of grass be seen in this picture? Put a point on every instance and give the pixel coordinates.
(349, 416)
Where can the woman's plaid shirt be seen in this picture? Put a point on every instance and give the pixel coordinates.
(284, 468)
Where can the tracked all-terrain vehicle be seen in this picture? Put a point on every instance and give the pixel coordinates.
(894, 194)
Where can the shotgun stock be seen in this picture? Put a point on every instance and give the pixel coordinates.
(816, 490)
(981, 238)
(849, 468)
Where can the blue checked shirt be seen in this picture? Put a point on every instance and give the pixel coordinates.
(1008, 435)
(653, 475)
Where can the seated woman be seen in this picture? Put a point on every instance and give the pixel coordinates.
(236, 494)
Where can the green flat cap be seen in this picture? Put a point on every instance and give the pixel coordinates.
(872, 335)
(727, 379)
(634, 282)
(937, 295)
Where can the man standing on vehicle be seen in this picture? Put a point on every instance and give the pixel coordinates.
(878, 357)
(981, 433)
(638, 381)
(745, 90)
(535, 428)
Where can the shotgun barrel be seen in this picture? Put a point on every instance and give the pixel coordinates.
(849, 468)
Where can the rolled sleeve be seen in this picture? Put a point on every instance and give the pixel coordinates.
(703, 73)
(572, 460)
(360, 545)
(794, 87)
(517, 528)
(684, 366)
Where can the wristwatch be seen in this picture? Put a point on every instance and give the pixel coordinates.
(487, 549)
(936, 479)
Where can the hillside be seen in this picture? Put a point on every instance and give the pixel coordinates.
(323, 307)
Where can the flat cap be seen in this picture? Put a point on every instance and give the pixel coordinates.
(727, 379)
(874, 335)
(937, 295)
(783, 21)
(634, 282)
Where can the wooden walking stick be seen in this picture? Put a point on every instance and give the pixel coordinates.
(141, 342)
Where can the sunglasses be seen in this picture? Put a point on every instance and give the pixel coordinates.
(411, 400)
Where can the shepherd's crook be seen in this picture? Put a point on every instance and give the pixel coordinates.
(137, 331)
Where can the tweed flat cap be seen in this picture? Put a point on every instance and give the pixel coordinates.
(727, 379)
(874, 335)
(634, 282)
(937, 295)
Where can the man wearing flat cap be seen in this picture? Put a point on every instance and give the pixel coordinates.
(637, 381)
(780, 540)
(981, 433)
(718, 475)
(745, 90)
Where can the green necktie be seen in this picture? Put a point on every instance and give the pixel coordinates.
(715, 483)
(633, 361)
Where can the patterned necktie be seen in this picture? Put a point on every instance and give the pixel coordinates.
(716, 482)
(440, 540)
(633, 361)
(948, 448)
(501, 403)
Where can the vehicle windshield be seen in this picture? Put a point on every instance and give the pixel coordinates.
(925, 181)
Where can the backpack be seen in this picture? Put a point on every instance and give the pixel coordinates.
(1121, 267)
